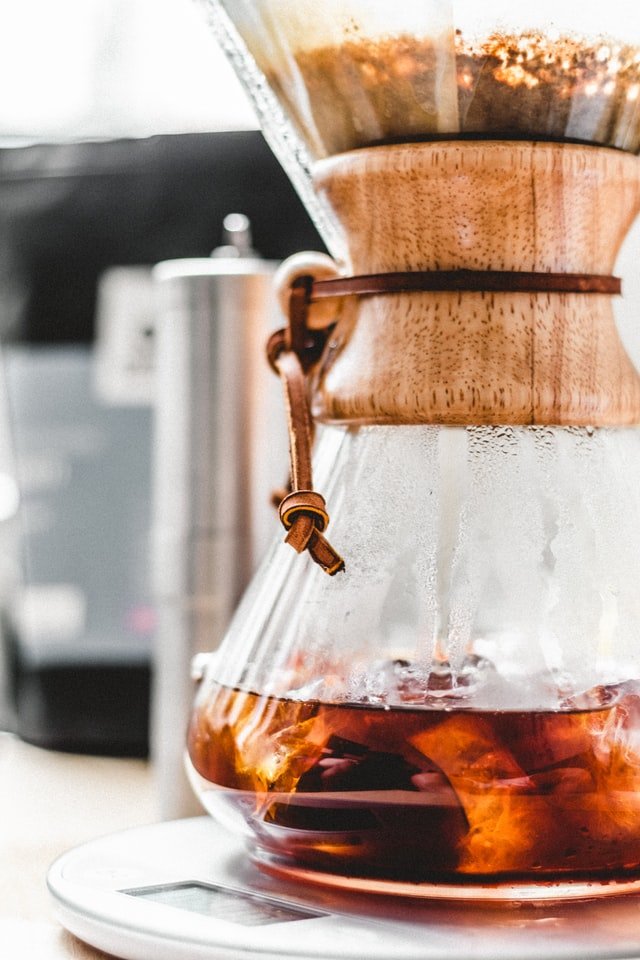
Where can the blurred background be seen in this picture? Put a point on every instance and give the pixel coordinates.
(125, 140)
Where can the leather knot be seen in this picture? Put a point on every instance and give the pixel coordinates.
(304, 517)
(305, 502)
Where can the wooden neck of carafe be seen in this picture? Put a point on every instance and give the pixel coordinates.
(479, 357)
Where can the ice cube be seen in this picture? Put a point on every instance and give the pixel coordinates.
(564, 782)
(347, 766)
(610, 813)
(509, 825)
(541, 740)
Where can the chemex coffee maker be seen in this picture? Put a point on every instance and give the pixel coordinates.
(438, 692)
(424, 720)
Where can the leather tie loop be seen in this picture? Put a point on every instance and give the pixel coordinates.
(306, 502)
(292, 352)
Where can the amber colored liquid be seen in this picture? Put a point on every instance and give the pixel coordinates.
(423, 795)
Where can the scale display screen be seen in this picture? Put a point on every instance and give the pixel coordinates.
(221, 904)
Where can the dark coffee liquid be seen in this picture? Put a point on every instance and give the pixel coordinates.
(427, 795)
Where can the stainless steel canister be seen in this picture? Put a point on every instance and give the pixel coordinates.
(220, 445)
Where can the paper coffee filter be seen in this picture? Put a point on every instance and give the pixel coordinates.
(308, 24)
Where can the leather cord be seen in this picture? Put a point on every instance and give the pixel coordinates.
(303, 513)
(481, 281)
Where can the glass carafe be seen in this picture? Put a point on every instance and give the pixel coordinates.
(456, 712)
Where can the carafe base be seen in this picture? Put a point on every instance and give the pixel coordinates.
(507, 893)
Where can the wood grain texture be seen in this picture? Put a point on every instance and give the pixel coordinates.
(459, 358)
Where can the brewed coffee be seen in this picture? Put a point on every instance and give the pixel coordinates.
(425, 795)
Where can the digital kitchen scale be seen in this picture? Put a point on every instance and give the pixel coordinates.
(186, 890)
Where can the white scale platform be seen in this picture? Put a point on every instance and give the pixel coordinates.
(185, 890)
